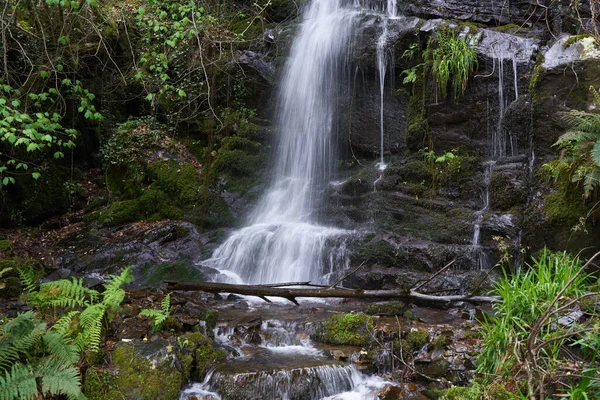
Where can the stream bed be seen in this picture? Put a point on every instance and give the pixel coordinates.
(280, 351)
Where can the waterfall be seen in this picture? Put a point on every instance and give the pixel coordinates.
(283, 242)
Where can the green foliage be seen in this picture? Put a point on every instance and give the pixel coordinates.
(39, 360)
(453, 62)
(36, 361)
(159, 315)
(32, 124)
(580, 150)
(526, 328)
(442, 167)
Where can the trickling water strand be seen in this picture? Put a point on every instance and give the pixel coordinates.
(283, 244)
(499, 141)
(515, 75)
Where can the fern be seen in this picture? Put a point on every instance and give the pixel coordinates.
(113, 294)
(91, 323)
(580, 150)
(28, 278)
(63, 293)
(59, 378)
(18, 383)
(61, 347)
(159, 315)
(63, 325)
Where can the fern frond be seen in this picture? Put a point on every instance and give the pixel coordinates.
(20, 383)
(61, 347)
(165, 304)
(113, 294)
(28, 278)
(58, 377)
(91, 322)
(595, 154)
(64, 293)
(63, 325)
(159, 316)
(576, 136)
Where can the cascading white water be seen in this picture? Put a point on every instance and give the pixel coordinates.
(283, 242)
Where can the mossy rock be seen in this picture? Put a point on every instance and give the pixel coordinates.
(348, 329)
(182, 270)
(390, 309)
(417, 338)
(100, 384)
(439, 342)
(154, 370)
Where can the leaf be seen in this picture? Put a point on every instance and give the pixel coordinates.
(149, 97)
(181, 93)
(44, 74)
(595, 154)
(36, 175)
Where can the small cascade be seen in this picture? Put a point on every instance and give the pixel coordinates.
(277, 360)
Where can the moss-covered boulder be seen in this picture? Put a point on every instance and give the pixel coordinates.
(348, 329)
(153, 370)
(389, 308)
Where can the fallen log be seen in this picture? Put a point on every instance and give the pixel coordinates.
(292, 293)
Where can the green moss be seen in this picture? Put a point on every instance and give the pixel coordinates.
(348, 329)
(564, 206)
(182, 270)
(395, 308)
(473, 392)
(205, 356)
(101, 385)
(508, 28)
(417, 338)
(439, 342)
(577, 38)
(141, 378)
(210, 317)
(417, 128)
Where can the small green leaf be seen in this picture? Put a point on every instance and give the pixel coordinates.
(44, 74)
(149, 97)
(181, 93)
(36, 175)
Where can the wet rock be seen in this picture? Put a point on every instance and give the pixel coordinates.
(391, 392)
(338, 355)
(434, 369)
(240, 305)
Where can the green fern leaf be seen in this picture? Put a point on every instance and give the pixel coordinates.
(91, 322)
(28, 278)
(58, 378)
(20, 383)
(63, 325)
(113, 294)
(595, 154)
(60, 346)
(165, 304)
